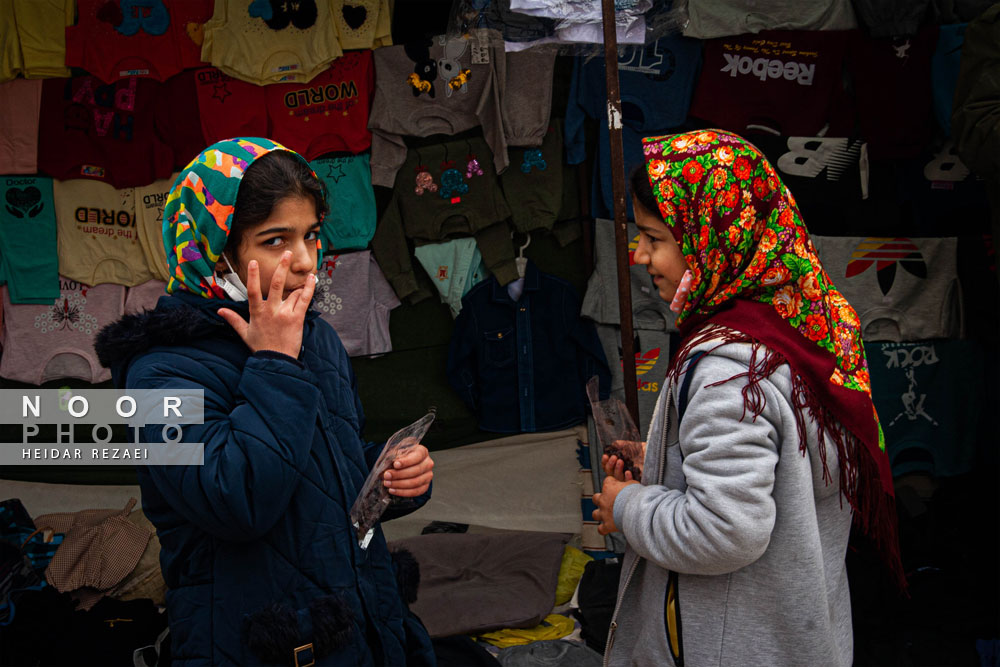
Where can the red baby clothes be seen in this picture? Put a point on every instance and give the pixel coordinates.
(330, 113)
(102, 131)
(20, 101)
(789, 82)
(190, 17)
(113, 39)
(229, 107)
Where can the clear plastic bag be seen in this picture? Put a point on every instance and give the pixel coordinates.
(616, 432)
(374, 496)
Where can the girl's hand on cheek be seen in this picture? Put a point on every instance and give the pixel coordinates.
(275, 324)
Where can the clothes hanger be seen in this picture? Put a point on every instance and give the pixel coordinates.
(521, 261)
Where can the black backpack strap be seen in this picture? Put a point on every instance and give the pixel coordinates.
(682, 396)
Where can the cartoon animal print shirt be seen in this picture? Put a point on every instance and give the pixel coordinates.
(49, 342)
(271, 41)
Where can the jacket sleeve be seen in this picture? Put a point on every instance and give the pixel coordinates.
(256, 450)
(462, 370)
(392, 252)
(723, 520)
(975, 116)
(388, 155)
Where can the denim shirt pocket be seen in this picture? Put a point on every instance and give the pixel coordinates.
(498, 347)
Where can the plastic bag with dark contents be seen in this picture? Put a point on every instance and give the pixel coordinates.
(616, 432)
(374, 496)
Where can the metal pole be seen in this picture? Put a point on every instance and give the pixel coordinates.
(618, 187)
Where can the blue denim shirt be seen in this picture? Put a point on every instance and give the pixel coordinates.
(522, 365)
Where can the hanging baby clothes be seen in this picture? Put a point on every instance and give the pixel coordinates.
(229, 107)
(522, 365)
(519, 31)
(41, 29)
(656, 83)
(787, 82)
(891, 18)
(98, 237)
(436, 87)
(128, 38)
(433, 201)
(350, 224)
(20, 104)
(102, 132)
(723, 18)
(149, 203)
(179, 125)
(580, 20)
(43, 343)
(28, 255)
(144, 297)
(928, 395)
(190, 17)
(362, 24)
(271, 42)
(10, 48)
(903, 289)
(600, 303)
(526, 104)
(354, 297)
(533, 184)
(330, 113)
(454, 267)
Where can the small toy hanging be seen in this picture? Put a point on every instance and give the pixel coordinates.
(533, 158)
(473, 168)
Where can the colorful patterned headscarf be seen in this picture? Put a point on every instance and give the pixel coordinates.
(198, 213)
(755, 271)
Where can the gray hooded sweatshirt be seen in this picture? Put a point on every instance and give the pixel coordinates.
(756, 536)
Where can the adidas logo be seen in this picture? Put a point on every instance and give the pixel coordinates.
(645, 362)
(764, 68)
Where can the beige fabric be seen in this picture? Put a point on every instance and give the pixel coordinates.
(97, 236)
(149, 203)
(523, 482)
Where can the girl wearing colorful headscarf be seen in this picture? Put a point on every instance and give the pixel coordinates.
(765, 447)
(257, 548)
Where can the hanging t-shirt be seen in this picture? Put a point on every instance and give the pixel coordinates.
(115, 39)
(144, 297)
(944, 71)
(789, 82)
(20, 104)
(903, 289)
(350, 224)
(10, 48)
(229, 107)
(436, 87)
(454, 267)
(328, 114)
(437, 197)
(723, 18)
(149, 203)
(41, 29)
(526, 105)
(361, 23)
(354, 297)
(101, 131)
(656, 83)
(600, 303)
(928, 397)
(98, 237)
(652, 358)
(190, 17)
(271, 42)
(28, 260)
(179, 125)
(50, 342)
(892, 84)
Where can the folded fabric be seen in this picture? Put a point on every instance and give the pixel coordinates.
(552, 626)
(475, 583)
(550, 653)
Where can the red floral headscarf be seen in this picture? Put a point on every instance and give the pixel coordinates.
(756, 272)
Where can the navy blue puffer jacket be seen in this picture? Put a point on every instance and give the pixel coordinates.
(257, 548)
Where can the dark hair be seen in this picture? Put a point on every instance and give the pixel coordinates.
(643, 191)
(269, 179)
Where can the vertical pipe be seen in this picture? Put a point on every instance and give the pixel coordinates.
(618, 187)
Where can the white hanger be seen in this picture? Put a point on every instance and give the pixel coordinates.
(522, 262)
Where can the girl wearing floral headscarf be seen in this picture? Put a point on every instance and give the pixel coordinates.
(764, 449)
(258, 550)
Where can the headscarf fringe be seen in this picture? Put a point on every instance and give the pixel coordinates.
(874, 510)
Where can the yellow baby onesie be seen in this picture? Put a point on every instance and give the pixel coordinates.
(41, 28)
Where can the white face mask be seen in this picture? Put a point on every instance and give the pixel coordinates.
(231, 283)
